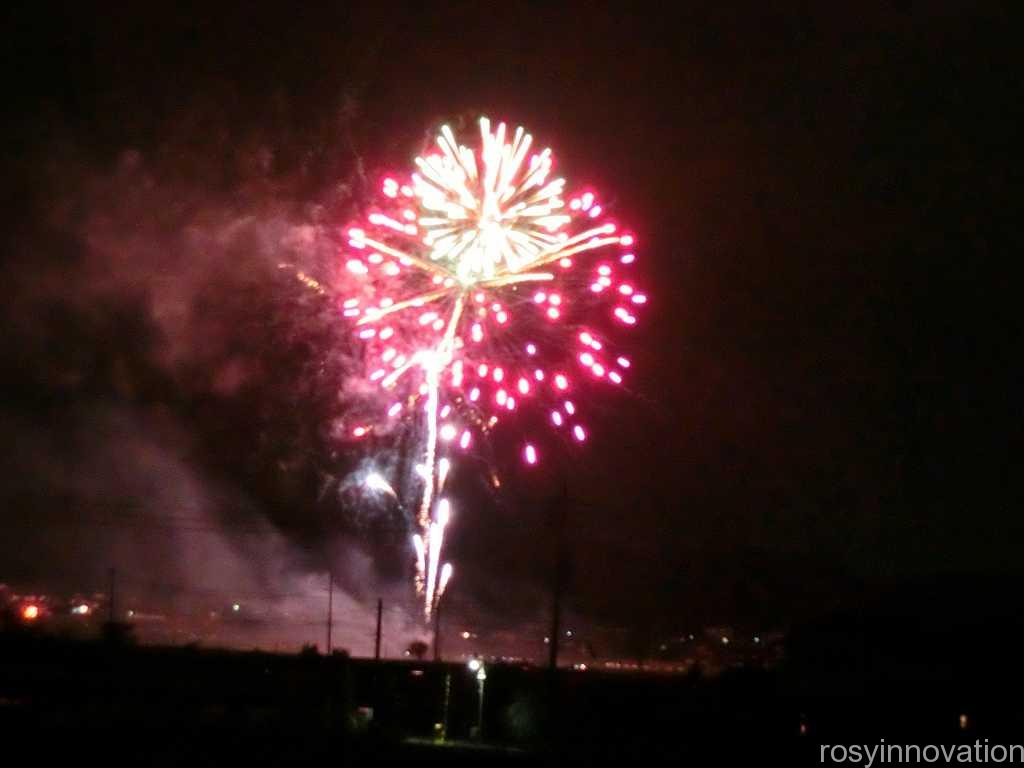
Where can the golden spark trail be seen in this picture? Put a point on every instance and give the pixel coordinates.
(375, 314)
(405, 258)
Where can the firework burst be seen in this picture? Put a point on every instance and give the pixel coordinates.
(481, 290)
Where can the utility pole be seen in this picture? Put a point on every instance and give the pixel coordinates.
(437, 631)
(481, 678)
(447, 702)
(558, 509)
(556, 613)
(376, 642)
(111, 611)
(330, 608)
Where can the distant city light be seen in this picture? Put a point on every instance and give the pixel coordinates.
(30, 612)
(474, 665)
(236, 607)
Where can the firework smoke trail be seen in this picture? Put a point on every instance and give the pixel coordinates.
(441, 275)
(436, 541)
(434, 363)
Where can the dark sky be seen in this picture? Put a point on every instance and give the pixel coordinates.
(827, 393)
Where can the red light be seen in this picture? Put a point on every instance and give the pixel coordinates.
(30, 612)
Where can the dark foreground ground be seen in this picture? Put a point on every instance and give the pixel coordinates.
(71, 703)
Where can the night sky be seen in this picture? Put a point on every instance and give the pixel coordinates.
(826, 398)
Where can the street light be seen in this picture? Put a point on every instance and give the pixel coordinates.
(475, 665)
